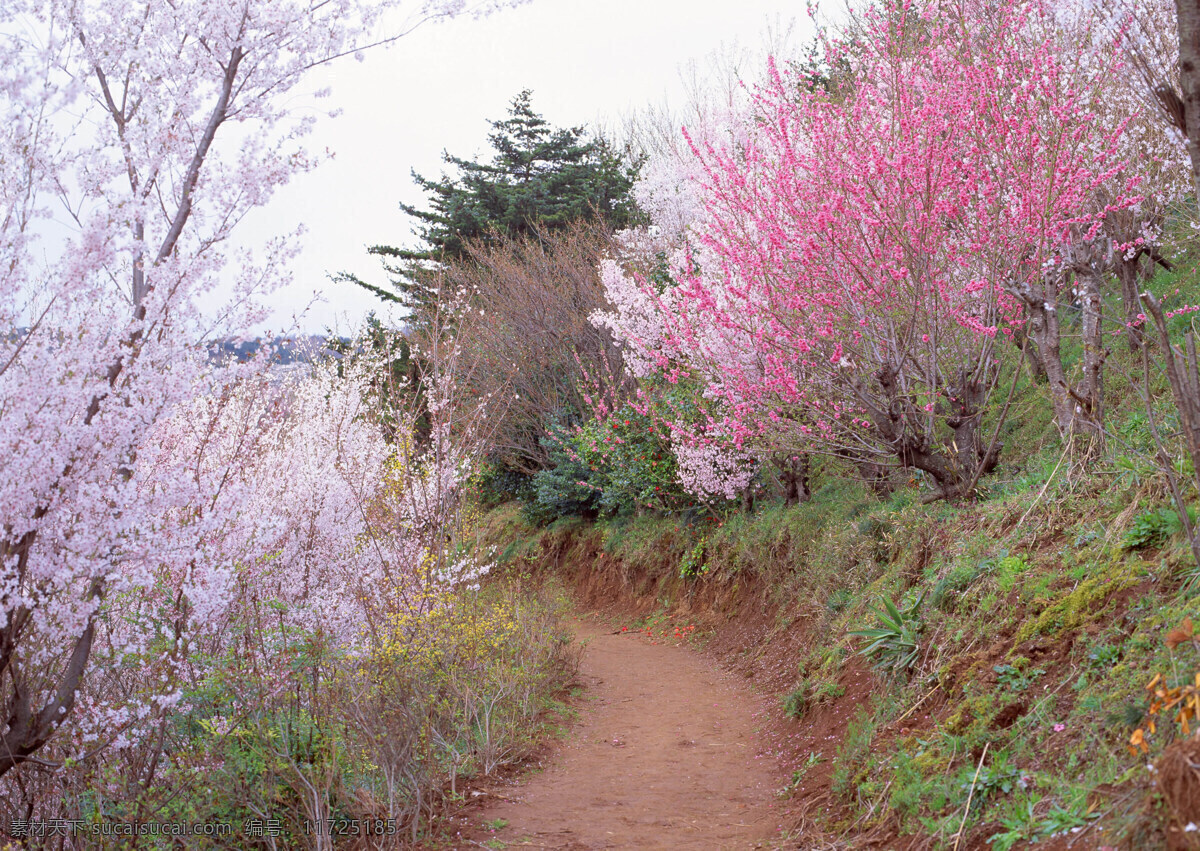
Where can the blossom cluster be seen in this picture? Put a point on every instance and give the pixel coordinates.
(863, 246)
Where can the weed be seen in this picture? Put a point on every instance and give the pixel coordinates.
(1152, 529)
(828, 691)
(1131, 472)
(1022, 823)
(806, 695)
(851, 758)
(1007, 571)
(1019, 822)
(839, 600)
(1016, 679)
(1101, 657)
(693, 562)
(999, 778)
(954, 582)
(874, 527)
(814, 759)
(1062, 819)
(795, 704)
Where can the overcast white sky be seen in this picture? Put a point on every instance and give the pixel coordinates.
(585, 61)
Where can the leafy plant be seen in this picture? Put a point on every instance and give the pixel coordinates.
(1015, 678)
(1131, 472)
(999, 778)
(1020, 825)
(805, 695)
(853, 755)
(693, 562)
(814, 759)
(1008, 569)
(795, 703)
(955, 582)
(1101, 657)
(828, 691)
(1152, 529)
(895, 644)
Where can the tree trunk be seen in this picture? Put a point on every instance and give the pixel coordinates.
(966, 416)
(1183, 374)
(793, 472)
(873, 475)
(1033, 359)
(911, 444)
(1129, 273)
(1189, 80)
(1074, 411)
(1090, 395)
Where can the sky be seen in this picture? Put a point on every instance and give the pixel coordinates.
(586, 62)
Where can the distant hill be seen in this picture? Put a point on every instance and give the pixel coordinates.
(284, 350)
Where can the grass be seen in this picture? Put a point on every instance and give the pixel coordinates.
(1001, 582)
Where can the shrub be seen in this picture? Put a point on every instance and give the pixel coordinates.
(565, 489)
(1152, 529)
(629, 460)
(449, 688)
(496, 484)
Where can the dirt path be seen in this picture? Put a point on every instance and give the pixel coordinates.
(664, 756)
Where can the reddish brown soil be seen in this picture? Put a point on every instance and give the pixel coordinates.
(665, 755)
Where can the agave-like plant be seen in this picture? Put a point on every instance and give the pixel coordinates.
(895, 644)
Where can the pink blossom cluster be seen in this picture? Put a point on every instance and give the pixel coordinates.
(865, 245)
(710, 469)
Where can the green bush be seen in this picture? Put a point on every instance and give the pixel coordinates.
(496, 484)
(1152, 529)
(632, 462)
(564, 490)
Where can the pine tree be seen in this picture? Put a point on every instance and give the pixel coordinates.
(540, 178)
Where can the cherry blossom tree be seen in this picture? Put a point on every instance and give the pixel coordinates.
(1154, 141)
(1123, 243)
(638, 281)
(150, 129)
(862, 251)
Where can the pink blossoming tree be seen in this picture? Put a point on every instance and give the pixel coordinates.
(865, 250)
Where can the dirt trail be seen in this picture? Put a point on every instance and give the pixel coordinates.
(663, 756)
